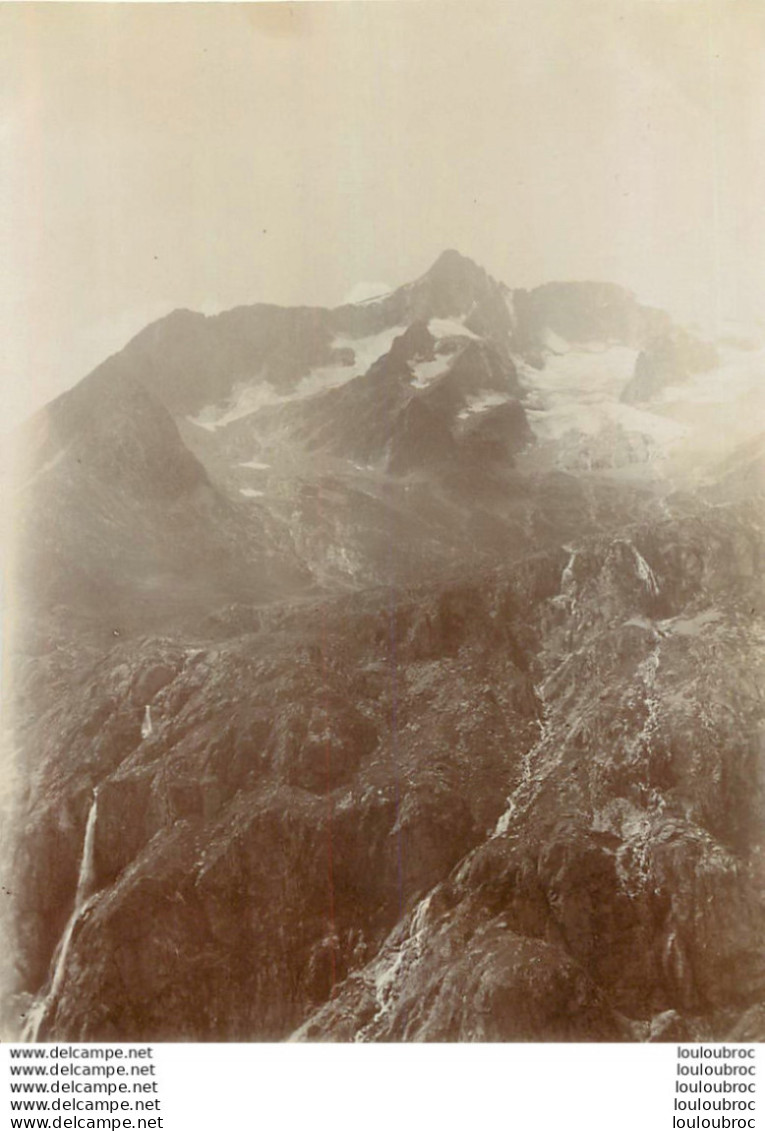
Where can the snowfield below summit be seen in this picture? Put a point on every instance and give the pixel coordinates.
(249, 397)
(575, 397)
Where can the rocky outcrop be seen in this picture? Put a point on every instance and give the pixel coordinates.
(582, 313)
(668, 359)
(617, 889)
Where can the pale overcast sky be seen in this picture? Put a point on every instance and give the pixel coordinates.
(157, 156)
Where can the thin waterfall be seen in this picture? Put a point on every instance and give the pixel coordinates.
(146, 725)
(85, 881)
(567, 582)
(87, 869)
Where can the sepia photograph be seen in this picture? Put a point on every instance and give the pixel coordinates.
(383, 479)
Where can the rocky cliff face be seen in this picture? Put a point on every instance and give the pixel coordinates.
(621, 887)
(668, 359)
(582, 312)
(343, 713)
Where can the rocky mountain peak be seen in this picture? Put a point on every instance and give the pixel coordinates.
(411, 580)
(457, 281)
(452, 264)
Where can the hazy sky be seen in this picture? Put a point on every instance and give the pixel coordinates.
(207, 155)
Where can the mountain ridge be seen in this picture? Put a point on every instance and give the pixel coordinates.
(382, 673)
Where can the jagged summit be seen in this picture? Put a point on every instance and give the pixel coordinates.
(452, 262)
(454, 281)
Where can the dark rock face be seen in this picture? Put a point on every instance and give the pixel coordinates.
(188, 360)
(583, 312)
(494, 437)
(335, 722)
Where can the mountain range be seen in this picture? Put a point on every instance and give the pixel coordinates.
(393, 672)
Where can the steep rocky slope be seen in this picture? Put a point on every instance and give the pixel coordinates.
(620, 894)
(116, 518)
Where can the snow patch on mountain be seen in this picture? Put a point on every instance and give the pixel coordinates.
(363, 293)
(366, 352)
(450, 328)
(481, 402)
(578, 391)
(427, 371)
(574, 402)
(247, 398)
